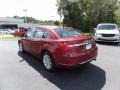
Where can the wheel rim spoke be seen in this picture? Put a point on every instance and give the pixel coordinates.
(47, 61)
(20, 47)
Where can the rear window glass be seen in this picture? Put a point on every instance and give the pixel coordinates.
(68, 32)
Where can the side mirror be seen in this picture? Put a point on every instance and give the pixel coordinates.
(95, 29)
(25, 35)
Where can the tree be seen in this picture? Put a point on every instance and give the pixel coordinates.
(86, 14)
(57, 23)
(117, 14)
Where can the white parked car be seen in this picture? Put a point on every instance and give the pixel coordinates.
(11, 31)
(7, 31)
(107, 32)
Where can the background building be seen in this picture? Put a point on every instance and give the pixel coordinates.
(10, 23)
(14, 23)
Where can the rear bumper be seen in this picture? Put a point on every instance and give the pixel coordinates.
(72, 65)
(81, 58)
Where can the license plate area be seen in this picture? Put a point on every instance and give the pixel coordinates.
(88, 46)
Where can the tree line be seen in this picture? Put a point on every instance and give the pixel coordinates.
(36, 21)
(86, 14)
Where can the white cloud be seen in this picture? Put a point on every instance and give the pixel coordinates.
(40, 9)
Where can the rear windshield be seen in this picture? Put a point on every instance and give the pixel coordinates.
(68, 32)
(106, 27)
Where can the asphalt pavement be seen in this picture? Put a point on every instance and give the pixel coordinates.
(24, 72)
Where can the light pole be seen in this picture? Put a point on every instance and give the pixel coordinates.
(25, 19)
(60, 16)
(52, 20)
(83, 18)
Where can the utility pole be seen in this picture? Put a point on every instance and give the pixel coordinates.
(60, 16)
(52, 20)
(25, 19)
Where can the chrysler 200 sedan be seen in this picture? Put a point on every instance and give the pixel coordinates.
(59, 46)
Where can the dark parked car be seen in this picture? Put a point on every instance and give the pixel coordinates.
(59, 46)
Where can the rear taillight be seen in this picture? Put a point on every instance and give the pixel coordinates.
(64, 46)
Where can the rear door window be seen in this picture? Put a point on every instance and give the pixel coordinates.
(39, 34)
(31, 34)
(42, 34)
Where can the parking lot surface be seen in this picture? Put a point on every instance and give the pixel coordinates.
(24, 72)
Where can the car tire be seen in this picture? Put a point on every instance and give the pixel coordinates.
(21, 49)
(48, 62)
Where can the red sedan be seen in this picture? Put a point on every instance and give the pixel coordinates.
(59, 46)
(20, 32)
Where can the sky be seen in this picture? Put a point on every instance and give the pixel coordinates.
(39, 9)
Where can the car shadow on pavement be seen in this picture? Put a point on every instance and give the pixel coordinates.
(87, 77)
(109, 44)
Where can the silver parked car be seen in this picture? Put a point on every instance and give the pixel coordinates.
(107, 32)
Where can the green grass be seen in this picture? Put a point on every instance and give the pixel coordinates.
(10, 38)
(2, 34)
